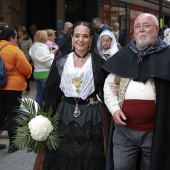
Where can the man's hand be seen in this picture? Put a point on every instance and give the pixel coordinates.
(119, 118)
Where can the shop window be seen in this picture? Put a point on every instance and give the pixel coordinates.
(118, 14)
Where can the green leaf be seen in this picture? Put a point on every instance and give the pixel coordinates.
(23, 138)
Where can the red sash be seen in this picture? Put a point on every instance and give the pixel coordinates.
(139, 114)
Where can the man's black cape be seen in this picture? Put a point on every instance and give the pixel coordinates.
(157, 66)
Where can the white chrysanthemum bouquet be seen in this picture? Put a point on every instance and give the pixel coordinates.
(37, 129)
(40, 128)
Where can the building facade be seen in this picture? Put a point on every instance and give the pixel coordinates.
(52, 14)
(125, 12)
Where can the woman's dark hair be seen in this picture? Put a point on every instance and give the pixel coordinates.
(65, 47)
(84, 23)
(7, 33)
(92, 33)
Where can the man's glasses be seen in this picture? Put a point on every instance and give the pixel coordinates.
(144, 26)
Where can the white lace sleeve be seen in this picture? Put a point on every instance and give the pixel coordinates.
(111, 100)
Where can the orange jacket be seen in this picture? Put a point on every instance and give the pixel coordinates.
(13, 56)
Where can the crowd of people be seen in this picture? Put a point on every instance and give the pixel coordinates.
(112, 97)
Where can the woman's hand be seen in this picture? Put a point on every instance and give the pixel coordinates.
(54, 51)
(115, 88)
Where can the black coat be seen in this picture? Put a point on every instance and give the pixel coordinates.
(124, 64)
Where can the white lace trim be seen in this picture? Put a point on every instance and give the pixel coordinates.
(69, 72)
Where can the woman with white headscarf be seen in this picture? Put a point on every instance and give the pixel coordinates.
(107, 44)
(167, 35)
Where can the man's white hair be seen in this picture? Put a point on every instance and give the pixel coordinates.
(153, 16)
(116, 23)
(67, 24)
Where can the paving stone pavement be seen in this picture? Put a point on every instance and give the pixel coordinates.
(20, 160)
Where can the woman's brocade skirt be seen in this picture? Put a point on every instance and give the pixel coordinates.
(82, 146)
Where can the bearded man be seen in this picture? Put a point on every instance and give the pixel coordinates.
(141, 109)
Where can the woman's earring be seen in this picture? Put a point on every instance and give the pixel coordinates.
(72, 45)
(89, 45)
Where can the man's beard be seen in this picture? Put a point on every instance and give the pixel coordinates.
(144, 42)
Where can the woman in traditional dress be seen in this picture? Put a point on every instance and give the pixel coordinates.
(74, 82)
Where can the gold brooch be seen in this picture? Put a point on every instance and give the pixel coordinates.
(77, 81)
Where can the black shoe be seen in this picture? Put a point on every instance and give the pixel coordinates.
(2, 146)
(12, 149)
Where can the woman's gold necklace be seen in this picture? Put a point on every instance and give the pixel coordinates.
(77, 81)
(81, 58)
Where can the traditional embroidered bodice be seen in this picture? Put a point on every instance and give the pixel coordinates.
(70, 72)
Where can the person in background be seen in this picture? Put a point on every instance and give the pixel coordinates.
(71, 88)
(24, 43)
(141, 109)
(122, 38)
(167, 35)
(117, 38)
(165, 27)
(65, 34)
(168, 39)
(107, 44)
(33, 29)
(100, 27)
(161, 33)
(13, 59)
(2, 26)
(51, 39)
(3, 19)
(42, 58)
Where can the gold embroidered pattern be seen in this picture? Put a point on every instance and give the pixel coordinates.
(77, 81)
(92, 101)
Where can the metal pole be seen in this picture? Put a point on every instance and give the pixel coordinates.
(160, 14)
